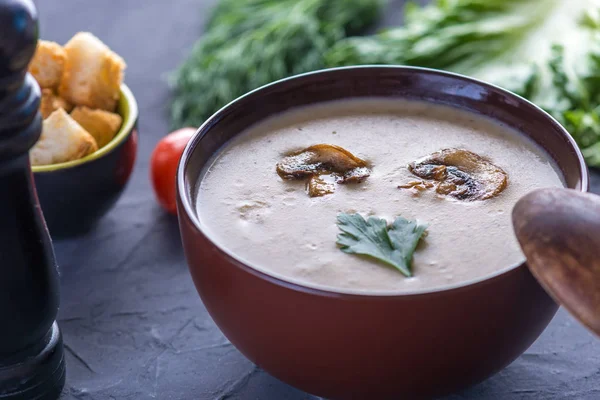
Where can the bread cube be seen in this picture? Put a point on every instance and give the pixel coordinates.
(48, 64)
(62, 140)
(51, 102)
(93, 73)
(102, 125)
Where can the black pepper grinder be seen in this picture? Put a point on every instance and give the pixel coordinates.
(31, 352)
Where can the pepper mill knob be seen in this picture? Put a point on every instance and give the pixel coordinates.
(31, 350)
(18, 24)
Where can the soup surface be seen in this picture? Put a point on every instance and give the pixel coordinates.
(274, 226)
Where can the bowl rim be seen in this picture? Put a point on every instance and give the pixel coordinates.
(185, 205)
(131, 116)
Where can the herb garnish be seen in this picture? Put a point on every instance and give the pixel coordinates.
(393, 245)
(249, 43)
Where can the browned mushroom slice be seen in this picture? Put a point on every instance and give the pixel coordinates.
(418, 185)
(320, 185)
(461, 174)
(355, 175)
(324, 165)
(318, 159)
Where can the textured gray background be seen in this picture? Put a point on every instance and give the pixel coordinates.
(133, 324)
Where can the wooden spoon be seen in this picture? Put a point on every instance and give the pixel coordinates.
(559, 232)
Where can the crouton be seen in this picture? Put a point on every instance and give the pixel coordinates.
(48, 64)
(50, 103)
(93, 73)
(62, 140)
(102, 125)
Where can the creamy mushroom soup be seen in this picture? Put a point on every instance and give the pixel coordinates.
(275, 226)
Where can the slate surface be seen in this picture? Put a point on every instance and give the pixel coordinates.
(133, 324)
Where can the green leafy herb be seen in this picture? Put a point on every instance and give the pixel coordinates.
(393, 245)
(545, 50)
(249, 43)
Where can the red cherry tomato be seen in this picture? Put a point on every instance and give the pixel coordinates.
(163, 166)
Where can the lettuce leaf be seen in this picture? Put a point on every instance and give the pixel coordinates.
(545, 50)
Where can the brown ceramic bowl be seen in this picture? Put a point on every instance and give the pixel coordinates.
(348, 346)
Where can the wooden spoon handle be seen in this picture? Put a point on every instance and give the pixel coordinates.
(559, 232)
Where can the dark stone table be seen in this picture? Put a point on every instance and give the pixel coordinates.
(133, 325)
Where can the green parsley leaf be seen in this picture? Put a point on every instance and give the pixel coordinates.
(393, 245)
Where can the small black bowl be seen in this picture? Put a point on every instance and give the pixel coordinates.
(75, 194)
